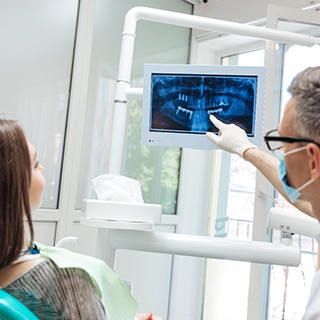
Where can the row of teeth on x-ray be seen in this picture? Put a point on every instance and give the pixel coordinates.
(216, 107)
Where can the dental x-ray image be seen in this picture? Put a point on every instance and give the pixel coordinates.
(179, 98)
(183, 103)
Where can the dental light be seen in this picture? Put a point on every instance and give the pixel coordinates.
(292, 221)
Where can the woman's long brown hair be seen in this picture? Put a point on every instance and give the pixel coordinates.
(15, 177)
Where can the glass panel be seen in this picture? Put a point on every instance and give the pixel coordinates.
(242, 174)
(238, 212)
(289, 286)
(292, 66)
(36, 61)
(156, 168)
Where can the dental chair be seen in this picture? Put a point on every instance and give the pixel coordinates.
(13, 309)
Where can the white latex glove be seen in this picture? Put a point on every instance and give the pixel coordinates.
(231, 138)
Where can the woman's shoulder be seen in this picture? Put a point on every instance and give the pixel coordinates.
(15, 271)
(46, 288)
(46, 272)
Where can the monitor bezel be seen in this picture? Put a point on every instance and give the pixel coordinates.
(191, 139)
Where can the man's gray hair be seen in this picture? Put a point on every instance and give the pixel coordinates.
(305, 88)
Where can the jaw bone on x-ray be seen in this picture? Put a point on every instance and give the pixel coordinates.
(185, 102)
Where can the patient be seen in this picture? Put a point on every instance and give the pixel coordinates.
(47, 290)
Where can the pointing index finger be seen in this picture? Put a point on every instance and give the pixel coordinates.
(216, 122)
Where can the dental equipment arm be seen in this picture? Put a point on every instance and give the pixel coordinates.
(233, 139)
(179, 19)
(292, 221)
(196, 246)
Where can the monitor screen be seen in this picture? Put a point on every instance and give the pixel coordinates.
(178, 100)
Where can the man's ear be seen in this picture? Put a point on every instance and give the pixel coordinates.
(313, 152)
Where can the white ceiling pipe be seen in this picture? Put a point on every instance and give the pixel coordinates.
(210, 24)
(205, 247)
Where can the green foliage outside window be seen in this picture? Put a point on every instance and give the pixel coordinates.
(157, 168)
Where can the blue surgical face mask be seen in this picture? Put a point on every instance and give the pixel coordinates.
(292, 193)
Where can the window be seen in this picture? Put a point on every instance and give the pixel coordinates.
(290, 286)
(36, 64)
(156, 168)
(234, 220)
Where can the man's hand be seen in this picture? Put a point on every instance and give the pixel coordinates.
(231, 138)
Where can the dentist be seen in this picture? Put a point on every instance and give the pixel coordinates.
(295, 172)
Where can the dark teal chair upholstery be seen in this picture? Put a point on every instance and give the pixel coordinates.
(13, 309)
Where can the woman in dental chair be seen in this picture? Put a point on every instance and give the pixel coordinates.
(52, 283)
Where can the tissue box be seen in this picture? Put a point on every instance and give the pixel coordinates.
(122, 211)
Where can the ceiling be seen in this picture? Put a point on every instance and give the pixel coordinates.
(245, 10)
